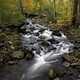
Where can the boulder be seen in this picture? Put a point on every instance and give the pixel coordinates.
(18, 54)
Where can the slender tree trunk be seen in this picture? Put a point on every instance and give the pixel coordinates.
(55, 11)
(75, 7)
(78, 13)
(21, 7)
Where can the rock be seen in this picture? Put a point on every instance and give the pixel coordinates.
(12, 47)
(57, 78)
(10, 42)
(1, 45)
(28, 56)
(12, 62)
(57, 33)
(76, 63)
(77, 45)
(66, 64)
(68, 58)
(17, 54)
(79, 75)
(54, 73)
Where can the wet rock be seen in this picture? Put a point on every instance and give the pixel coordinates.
(12, 47)
(57, 79)
(77, 45)
(79, 75)
(76, 63)
(68, 58)
(53, 41)
(29, 56)
(12, 62)
(10, 42)
(54, 73)
(1, 45)
(57, 33)
(17, 54)
(66, 64)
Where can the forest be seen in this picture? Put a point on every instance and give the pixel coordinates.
(31, 31)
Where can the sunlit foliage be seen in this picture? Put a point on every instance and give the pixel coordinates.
(59, 10)
(27, 6)
(64, 10)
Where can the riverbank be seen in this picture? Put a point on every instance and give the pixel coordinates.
(12, 53)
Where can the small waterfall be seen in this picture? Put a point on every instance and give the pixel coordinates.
(46, 45)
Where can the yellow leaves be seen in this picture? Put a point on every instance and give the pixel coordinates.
(60, 10)
(27, 5)
(65, 9)
(44, 2)
(31, 6)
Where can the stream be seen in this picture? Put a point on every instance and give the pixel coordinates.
(48, 47)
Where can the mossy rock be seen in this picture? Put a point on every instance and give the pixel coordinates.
(53, 73)
(18, 54)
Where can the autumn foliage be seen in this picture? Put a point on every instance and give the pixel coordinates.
(60, 11)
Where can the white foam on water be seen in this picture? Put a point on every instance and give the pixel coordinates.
(47, 34)
(44, 59)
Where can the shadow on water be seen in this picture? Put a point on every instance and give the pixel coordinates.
(19, 71)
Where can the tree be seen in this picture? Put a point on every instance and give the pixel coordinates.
(10, 13)
(21, 7)
(75, 6)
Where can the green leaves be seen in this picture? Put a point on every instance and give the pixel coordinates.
(10, 13)
(56, 10)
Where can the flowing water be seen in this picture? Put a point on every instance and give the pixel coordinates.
(46, 45)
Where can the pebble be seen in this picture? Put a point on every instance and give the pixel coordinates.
(12, 62)
(66, 64)
(12, 47)
(57, 79)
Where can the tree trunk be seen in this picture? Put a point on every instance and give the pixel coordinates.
(21, 7)
(78, 13)
(75, 6)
